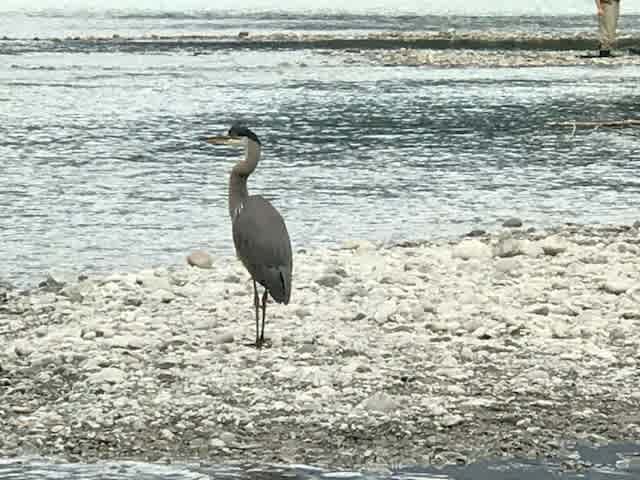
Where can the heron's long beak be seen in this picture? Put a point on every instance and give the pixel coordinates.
(224, 140)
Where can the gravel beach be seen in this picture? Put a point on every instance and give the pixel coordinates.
(484, 59)
(514, 343)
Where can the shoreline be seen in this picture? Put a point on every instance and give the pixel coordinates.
(481, 40)
(513, 343)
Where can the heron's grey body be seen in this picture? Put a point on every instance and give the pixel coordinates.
(262, 244)
(260, 235)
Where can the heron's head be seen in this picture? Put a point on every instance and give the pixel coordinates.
(237, 134)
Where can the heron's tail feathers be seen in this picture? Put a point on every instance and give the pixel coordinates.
(278, 282)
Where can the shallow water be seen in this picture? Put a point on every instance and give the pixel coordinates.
(615, 461)
(104, 168)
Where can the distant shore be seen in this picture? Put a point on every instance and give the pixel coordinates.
(516, 343)
(435, 40)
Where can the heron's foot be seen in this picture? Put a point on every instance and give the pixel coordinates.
(259, 344)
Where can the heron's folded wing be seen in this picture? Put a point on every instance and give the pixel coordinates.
(263, 245)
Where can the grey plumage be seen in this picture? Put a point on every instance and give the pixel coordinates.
(260, 234)
(262, 244)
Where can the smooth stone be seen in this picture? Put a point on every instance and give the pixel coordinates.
(358, 245)
(451, 420)
(330, 280)
(616, 286)
(164, 296)
(107, 375)
(125, 341)
(132, 302)
(507, 247)
(380, 402)
(476, 233)
(302, 312)
(506, 265)
(468, 249)
(553, 245)
(217, 443)
(541, 310)
(23, 349)
(512, 223)
(200, 259)
(595, 259)
(221, 338)
(531, 249)
(385, 311)
(154, 282)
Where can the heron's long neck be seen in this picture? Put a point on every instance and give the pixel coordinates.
(239, 174)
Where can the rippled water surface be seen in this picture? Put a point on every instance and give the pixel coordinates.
(104, 169)
(615, 461)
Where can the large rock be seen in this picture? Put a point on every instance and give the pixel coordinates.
(617, 286)
(507, 247)
(107, 375)
(467, 249)
(553, 245)
(200, 259)
(512, 223)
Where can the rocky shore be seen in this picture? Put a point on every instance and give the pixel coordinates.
(464, 58)
(517, 343)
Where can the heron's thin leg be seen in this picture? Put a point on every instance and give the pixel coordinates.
(256, 303)
(264, 313)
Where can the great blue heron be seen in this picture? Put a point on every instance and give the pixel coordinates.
(259, 233)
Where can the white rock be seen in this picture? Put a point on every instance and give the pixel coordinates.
(617, 285)
(163, 398)
(226, 337)
(380, 402)
(23, 348)
(507, 265)
(362, 245)
(217, 443)
(530, 249)
(507, 247)
(153, 282)
(385, 311)
(200, 259)
(163, 296)
(537, 376)
(107, 375)
(302, 312)
(126, 341)
(451, 419)
(553, 245)
(467, 249)
(466, 354)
